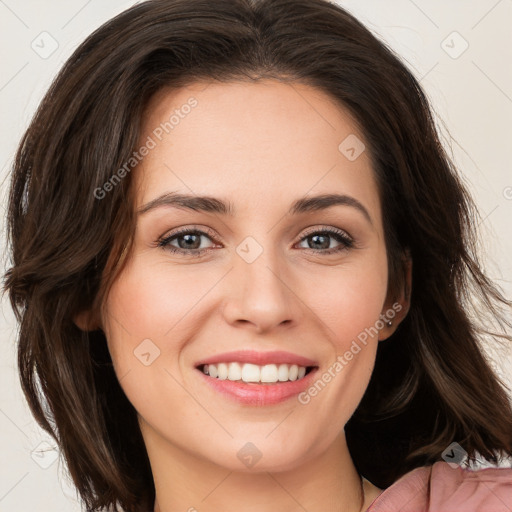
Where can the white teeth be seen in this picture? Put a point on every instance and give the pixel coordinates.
(282, 373)
(234, 371)
(222, 371)
(248, 372)
(212, 370)
(293, 372)
(269, 373)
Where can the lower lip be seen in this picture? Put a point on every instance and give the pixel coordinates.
(259, 394)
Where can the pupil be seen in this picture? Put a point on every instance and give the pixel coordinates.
(324, 245)
(189, 245)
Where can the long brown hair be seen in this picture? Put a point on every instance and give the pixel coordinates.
(431, 385)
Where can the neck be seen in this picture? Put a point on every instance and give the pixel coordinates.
(328, 482)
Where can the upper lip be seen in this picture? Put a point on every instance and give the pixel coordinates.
(258, 358)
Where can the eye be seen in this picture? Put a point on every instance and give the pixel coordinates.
(322, 239)
(188, 242)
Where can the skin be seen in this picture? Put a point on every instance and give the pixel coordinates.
(260, 146)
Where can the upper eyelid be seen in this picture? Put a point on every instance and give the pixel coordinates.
(211, 232)
(330, 229)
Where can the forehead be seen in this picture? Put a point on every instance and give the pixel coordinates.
(261, 141)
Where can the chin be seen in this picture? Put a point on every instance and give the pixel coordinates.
(262, 455)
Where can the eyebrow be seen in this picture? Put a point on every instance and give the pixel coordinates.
(214, 205)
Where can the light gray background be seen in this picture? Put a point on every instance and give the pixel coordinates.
(471, 90)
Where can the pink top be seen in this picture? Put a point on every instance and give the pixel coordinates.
(443, 488)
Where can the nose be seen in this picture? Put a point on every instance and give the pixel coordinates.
(258, 294)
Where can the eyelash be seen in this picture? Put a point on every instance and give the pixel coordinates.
(346, 242)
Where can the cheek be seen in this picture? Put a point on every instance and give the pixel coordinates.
(147, 323)
(150, 300)
(348, 299)
(348, 306)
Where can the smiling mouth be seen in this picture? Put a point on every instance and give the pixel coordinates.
(248, 373)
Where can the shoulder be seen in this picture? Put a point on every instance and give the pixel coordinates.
(443, 487)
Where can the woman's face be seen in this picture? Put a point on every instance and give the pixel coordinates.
(253, 272)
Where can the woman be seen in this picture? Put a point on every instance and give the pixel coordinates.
(242, 263)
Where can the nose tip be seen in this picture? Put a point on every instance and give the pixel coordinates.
(262, 298)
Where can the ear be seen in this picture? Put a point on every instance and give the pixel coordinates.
(396, 310)
(86, 321)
